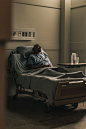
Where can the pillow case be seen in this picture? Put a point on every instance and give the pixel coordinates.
(27, 50)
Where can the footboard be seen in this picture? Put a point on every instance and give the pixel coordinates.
(70, 92)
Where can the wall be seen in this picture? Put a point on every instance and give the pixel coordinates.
(78, 29)
(44, 17)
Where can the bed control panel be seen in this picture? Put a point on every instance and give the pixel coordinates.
(22, 34)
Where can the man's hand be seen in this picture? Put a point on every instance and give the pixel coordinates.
(41, 66)
(47, 65)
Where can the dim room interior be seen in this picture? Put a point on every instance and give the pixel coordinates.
(59, 27)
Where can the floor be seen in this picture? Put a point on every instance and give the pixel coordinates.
(28, 113)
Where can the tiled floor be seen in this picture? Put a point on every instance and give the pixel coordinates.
(27, 113)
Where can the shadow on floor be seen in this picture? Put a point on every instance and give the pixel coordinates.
(33, 111)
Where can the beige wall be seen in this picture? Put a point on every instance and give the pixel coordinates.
(78, 29)
(77, 2)
(48, 3)
(44, 17)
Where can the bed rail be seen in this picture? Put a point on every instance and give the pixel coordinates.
(70, 92)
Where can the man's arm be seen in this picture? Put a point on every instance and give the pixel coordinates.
(40, 66)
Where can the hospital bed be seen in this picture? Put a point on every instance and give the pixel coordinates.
(55, 86)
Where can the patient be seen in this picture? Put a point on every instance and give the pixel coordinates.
(38, 59)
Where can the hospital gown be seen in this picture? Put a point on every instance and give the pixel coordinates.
(39, 59)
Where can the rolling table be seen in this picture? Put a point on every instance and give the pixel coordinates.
(70, 65)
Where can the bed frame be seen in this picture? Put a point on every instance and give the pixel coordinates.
(66, 93)
(70, 92)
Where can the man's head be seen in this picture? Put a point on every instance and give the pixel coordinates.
(37, 49)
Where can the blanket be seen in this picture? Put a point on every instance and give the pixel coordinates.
(46, 80)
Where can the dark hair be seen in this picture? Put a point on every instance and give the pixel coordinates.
(35, 45)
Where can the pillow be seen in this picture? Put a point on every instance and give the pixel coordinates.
(27, 50)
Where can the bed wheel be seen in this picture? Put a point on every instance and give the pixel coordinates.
(75, 105)
(15, 97)
(47, 110)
